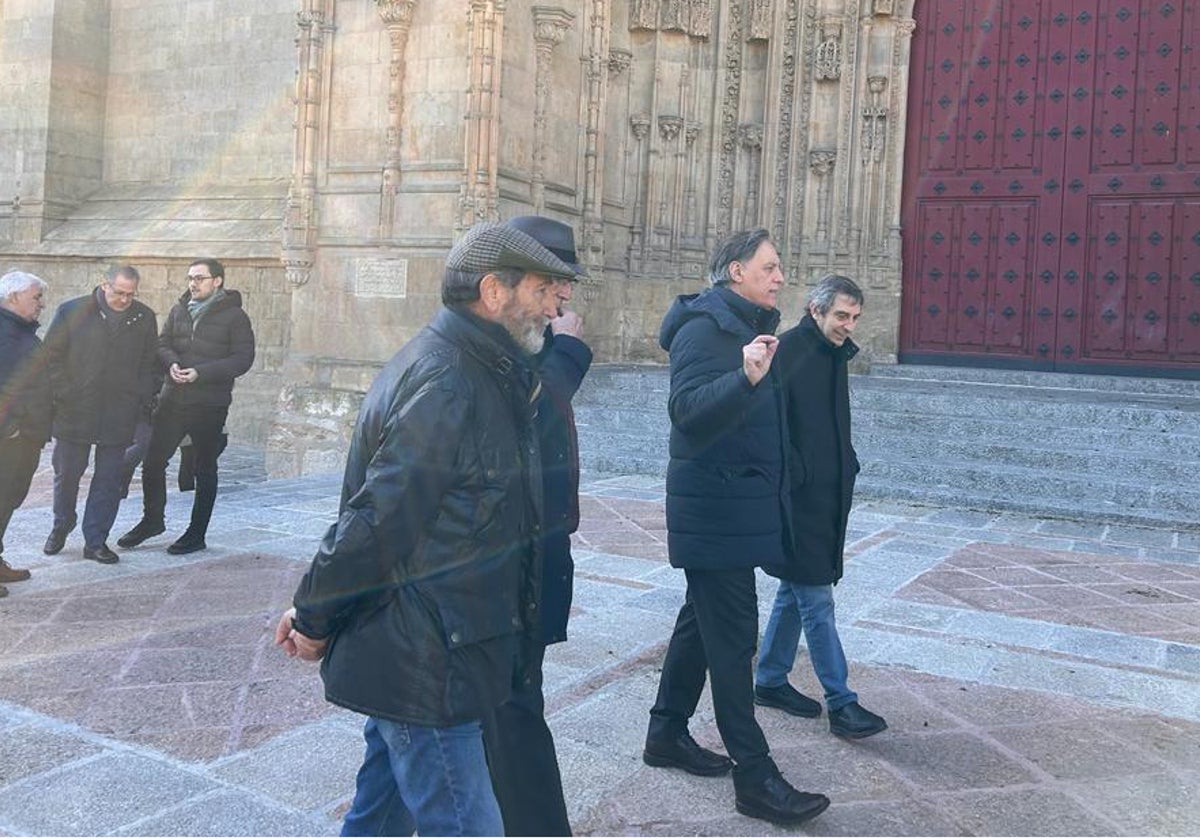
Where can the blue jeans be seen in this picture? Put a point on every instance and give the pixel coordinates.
(70, 460)
(433, 780)
(810, 607)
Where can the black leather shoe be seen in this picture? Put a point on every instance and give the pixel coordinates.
(56, 540)
(853, 721)
(186, 545)
(101, 554)
(683, 752)
(3, 591)
(10, 575)
(774, 800)
(787, 698)
(141, 532)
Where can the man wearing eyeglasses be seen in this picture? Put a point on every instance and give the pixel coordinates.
(206, 343)
(101, 353)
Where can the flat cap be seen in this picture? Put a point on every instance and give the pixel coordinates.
(489, 246)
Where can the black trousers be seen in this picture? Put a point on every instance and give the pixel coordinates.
(521, 757)
(204, 425)
(717, 632)
(18, 462)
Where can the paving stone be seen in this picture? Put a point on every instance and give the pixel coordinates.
(907, 817)
(305, 769)
(1158, 537)
(1152, 805)
(96, 797)
(1069, 528)
(26, 750)
(947, 761)
(1074, 750)
(1024, 813)
(231, 813)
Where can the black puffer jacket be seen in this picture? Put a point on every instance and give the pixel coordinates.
(727, 499)
(822, 461)
(102, 369)
(24, 380)
(431, 570)
(220, 346)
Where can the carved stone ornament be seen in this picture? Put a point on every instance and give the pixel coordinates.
(396, 12)
(760, 20)
(827, 59)
(619, 61)
(885, 7)
(669, 126)
(640, 125)
(750, 135)
(822, 161)
(550, 25)
(643, 14)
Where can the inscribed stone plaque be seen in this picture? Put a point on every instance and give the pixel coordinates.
(381, 278)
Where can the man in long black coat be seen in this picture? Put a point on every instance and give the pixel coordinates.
(726, 513)
(812, 360)
(520, 747)
(24, 399)
(101, 349)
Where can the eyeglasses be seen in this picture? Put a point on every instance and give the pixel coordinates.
(199, 277)
(117, 293)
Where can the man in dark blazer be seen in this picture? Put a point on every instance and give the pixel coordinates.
(520, 747)
(24, 399)
(101, 352)
(727, 510)
(812, 360)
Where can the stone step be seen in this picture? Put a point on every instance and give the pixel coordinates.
(1103, 447)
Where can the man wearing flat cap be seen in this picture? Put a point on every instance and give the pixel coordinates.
(419, 593)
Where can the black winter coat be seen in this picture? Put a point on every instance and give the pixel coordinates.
(431, 572)
(727, 499)
(102, 369)
(220, 346)
(562, 365)
(24, 380)
(822, 461)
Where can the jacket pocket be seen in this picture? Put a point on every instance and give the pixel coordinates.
(474, 602)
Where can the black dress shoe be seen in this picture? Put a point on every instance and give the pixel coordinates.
(774, 800)
(683, 752)
(186, 545)
(787, 698)
(141, 532)
(3, 591)
(853, 721)
(101, 554)
(56, 540)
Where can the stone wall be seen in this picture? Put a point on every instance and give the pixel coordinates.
(331, 150)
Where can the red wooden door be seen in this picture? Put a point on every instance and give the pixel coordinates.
(1052, 186)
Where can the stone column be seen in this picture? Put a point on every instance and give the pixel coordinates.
(299, 221)
(822, 161)
(751, 138)
(873, 143)
(549, 27)
(640, 126)
(479, 193)
(397, 19)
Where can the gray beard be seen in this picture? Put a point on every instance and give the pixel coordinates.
(529, 337)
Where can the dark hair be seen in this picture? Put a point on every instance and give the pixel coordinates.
(127, 271)
(462, 287)
(737, 247)
(212, 266)
(829, 287)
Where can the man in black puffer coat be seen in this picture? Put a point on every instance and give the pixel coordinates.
(206, 343)
(812, 360)
(418, 595)
(727, 510)
(100, 349)
(24, 399)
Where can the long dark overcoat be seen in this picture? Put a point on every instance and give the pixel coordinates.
(821, 460)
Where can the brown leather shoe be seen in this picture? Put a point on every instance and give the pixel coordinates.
(10, 575)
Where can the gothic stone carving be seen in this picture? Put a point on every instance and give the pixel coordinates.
(827, 63)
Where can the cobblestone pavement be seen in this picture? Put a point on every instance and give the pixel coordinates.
(1040, 677)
